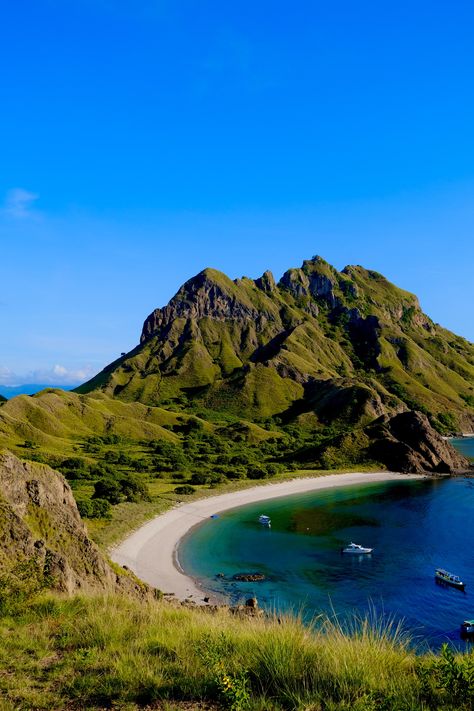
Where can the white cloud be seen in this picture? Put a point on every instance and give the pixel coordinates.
(57, 375)
(19, 202)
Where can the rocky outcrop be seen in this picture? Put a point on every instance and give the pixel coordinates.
(266, 282)
(209, 294)
(41, 532)
(408, 443)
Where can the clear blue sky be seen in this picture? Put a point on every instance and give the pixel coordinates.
(142, 141)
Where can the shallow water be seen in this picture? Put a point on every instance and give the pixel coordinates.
(413, 526)
(465, 445)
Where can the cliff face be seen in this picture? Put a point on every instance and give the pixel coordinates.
(42, 535)
(408, 443)
(403, 443)
(260, 349)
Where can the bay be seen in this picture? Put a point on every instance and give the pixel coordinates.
(413, 526)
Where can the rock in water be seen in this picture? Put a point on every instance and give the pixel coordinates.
(248, 577)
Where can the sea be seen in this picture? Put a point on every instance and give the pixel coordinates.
(413, 526)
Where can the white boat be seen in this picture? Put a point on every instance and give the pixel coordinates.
(265, 520)
(355, 548)
(442, 576)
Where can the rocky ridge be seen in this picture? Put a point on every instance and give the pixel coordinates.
(43, 539)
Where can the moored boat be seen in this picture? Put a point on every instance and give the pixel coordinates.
(443, 576)
(265, 520)
(356, 548)
(467, 629)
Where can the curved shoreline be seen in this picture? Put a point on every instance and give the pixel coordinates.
(151, 551)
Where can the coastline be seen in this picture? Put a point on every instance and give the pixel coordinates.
(151, 551)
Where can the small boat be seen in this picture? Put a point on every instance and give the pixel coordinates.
(265, 520)
(355, 548)
(467, 629)
(443, 576)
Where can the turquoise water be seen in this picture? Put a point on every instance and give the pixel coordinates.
(465, 445)
(413, 526)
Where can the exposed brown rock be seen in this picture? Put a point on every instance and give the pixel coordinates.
(41, 526)
(199, 297)
(408, 443)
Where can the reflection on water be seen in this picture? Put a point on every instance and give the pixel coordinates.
(412, 526)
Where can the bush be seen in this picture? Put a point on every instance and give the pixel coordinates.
(75, 468)
(185, 489)
(448, 420)
(257, 473)
(236, 473)
(468, 399)
(108, 489)
(100, 508)
(102, 471)
(199, 478)
(85, 508)
(134, 489)
(94, 508)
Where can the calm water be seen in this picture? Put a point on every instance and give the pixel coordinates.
(413, 527)
(465, 445)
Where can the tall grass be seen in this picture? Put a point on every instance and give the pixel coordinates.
(105, 652)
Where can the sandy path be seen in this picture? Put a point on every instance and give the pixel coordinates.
(151, 550)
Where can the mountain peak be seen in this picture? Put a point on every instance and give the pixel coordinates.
(321, 342)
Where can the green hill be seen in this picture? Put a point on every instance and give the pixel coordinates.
(318, 347)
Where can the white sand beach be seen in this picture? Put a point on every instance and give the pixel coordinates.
(150, 552)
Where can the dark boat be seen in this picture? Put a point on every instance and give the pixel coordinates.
(443, 576)
(467, 629)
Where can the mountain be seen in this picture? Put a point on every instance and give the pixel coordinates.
(319, 348)
(9, 391)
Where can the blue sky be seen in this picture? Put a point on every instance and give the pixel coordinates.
(142, 141)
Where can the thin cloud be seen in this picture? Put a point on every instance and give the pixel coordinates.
(19, 202)
(57, 375)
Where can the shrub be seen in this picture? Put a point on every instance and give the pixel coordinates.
(199, 478)
(108, 489)
(468, 399)
(448, 420)
(185, 489)
(257, 473)
(134, 489)
(75, 468)
(85, 508)
(100, 508)
(236, 473)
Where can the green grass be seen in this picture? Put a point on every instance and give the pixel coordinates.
(113, 652)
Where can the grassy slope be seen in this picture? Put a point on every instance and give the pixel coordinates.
(92, 653)
(56, 420)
